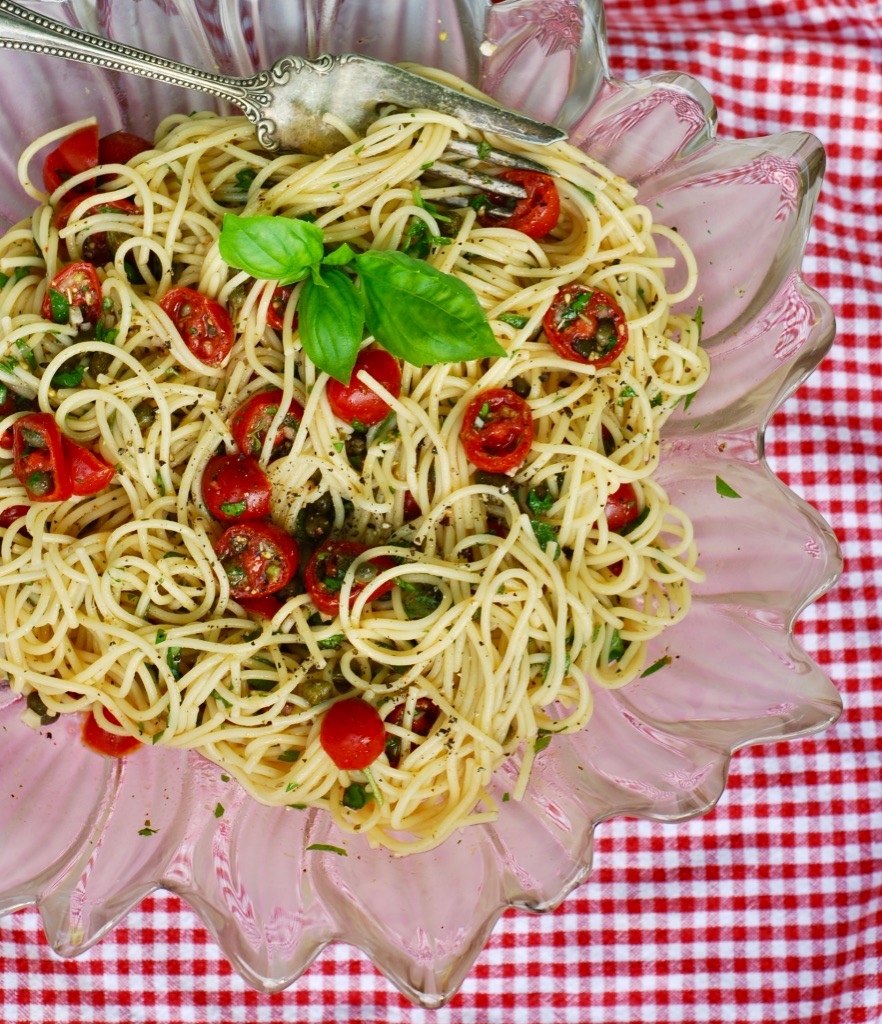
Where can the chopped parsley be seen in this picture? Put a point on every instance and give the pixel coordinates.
(327, 848)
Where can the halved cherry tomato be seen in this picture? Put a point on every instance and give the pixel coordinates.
(535, 215)
(258, 558)
(352, 734)
(252, 420)
(38, 458)
(425, 714)
(119, 147)
(621, 507)
(12, 513)
(275, 314)
(497, 430)
(107, 743)
(327, 568)
(411, 508)
(263, 607)
(235, 489)
(75, 286)
(355, 402)
(586, 325)
(202, 322)
(89, 473)
(78, 152)
(97, 247)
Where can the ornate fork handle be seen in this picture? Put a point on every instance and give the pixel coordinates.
(21, 29)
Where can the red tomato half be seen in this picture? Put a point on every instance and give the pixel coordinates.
(252, 420)
(262, 607)
(107, 743)
(78, 152)
(89, 473)
(12, 513)
(586, 325)
(235, 489)
(535, 215)
(425, 714)
(258, 558)
(355, 402)
(38, 456)
(497, 431)
(621, 507)
(275, 314)
(76, 286)
(328, 566)
(119, 147)
(352, 734)
(203, 323)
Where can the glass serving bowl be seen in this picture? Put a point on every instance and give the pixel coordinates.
(71, 821)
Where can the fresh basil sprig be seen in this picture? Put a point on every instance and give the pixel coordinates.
(414, 311)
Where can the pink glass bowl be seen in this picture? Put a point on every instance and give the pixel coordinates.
(660, 747)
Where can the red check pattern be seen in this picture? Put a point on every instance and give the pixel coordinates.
(770, 908)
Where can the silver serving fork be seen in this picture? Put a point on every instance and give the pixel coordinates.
(286, 102)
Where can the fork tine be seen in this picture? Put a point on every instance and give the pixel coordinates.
(499, 157)
(479, 180)
(461, 202)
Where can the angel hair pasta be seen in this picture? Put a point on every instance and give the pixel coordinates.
(334, 469)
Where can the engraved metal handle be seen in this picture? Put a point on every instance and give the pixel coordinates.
(21, 29)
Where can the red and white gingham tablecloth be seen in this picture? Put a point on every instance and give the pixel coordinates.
(770, 908)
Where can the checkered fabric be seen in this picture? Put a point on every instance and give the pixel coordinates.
(769, 909)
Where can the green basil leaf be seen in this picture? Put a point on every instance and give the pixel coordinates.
(233, 508)
(68, 378)
(420, 314)
(546, 534)
(332, 323)
(340, 256)
(60, 307)
(271, 248)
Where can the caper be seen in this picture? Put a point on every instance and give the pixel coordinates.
(521, 387)
(316, 691)
(356, 449)
(317, 524)
(145, 414)
(341, 683)
(366, 572)
(35, 704)
(99, 362)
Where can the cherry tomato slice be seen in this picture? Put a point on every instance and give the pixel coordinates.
(621, 507)
(354, 402)
(535, 215)
(425, 714)
(38, 456)
(252, 420)
(11, 514)
(328, 566)
(202, 322)
(263, 607)
(107, 743)
(76, 286)
(411, 508)
(586, 325)
(119, 147)
(89, 473)
(258, 558)
(78, 152)
(352, 734)
(275, 314)
(497, 430)
(235, 489)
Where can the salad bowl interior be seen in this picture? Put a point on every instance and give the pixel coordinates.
(72, 823)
